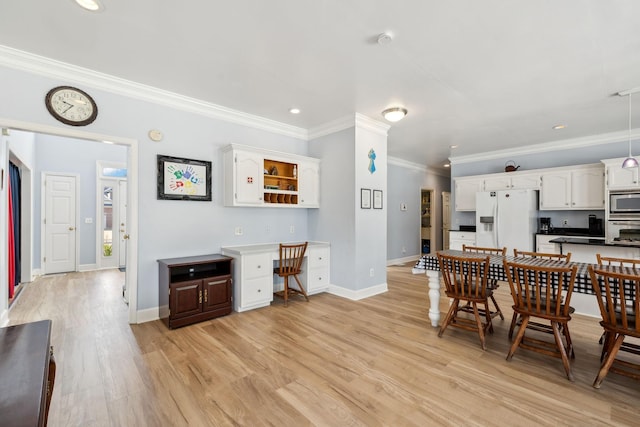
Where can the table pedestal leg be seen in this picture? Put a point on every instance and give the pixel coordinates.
(433, 277)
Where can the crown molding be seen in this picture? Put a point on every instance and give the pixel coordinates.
(562, 144)
(368, 123)
(416, 166)
(46, 67)
(331, 127)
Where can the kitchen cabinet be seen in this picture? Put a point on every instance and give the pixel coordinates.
(459, 238)
(578, 188)
(512, 181)
(619, 178)
(194, 289)
(466, 189)
(543, 245)
(263, 178)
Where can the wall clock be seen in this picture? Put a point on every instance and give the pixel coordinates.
(71, 106)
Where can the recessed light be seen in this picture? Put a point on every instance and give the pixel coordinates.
(447, 165)
(385, 38)
(453, 147)
(91, 5)
(294, 110)
(558, 127)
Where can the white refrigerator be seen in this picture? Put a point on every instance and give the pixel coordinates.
(507, 218)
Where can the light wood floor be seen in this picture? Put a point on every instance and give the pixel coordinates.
(328, 362)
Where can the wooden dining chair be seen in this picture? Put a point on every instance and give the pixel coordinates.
(543, 292)
(542, 256)
(620, 262)
(617, 293)
(492, 283)
(291, 257)
(465, 280)
(528, 254)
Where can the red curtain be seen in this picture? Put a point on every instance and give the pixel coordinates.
(11, 261)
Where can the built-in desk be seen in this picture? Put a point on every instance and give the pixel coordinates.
(253, 278)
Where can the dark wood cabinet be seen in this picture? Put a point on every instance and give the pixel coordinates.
(194, 289)
(28, 371)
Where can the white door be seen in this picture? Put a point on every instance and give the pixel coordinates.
(60, 223)
(446, 218)
(249, 176)
(122, 218)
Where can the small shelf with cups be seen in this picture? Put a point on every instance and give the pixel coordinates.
(280, 182)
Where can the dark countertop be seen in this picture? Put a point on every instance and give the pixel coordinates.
(568, 231)
(592, 242)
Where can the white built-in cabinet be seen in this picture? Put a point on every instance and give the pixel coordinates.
(466, 189)
(261, 178)
(619, 178)
(459, 238)
(512, 181)
(573, 188)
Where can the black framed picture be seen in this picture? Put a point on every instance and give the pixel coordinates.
(377, 199)
(365, 198)
(183, 179)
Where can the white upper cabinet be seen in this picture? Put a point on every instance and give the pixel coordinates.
(512, 181)
(309, 181)
(619, 178)
(573, 188)
(258, 177)
(466, 189)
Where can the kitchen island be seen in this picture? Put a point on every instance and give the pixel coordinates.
(584, 249)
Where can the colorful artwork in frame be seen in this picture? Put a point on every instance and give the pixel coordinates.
(183, 179)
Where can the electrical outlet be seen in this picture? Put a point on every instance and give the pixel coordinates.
(404, 250)
(292, 229)
(371, 273)
(238, 231)
(565, 222)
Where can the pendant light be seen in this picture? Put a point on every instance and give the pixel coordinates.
(630, 162)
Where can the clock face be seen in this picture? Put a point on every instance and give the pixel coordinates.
(71, 106)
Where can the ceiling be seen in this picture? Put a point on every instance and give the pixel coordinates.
(484, 75)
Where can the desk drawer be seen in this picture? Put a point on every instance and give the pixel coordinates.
(318, 257)
(256, 266)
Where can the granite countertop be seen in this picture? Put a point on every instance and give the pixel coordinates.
(568, 231)
(592, 242)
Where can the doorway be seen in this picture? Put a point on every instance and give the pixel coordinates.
(132, 196)
(427, 222)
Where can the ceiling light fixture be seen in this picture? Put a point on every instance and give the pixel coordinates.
(629, 162)
(446, 165)
(394, 114)
(91, 5)
(294, 110)
(384, 38)
(558, 127)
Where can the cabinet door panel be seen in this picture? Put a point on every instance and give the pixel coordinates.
(526, 182)
(309, 191)
(618, 177)
(497, 183)
(556, 191)
(186, 298)
(249, 177)
(217, 292)
(587, 189)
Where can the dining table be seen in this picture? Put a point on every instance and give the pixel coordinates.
(429, 264)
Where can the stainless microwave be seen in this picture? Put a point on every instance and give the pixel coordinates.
(624, 203)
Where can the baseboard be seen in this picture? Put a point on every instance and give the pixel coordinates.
(401, 261)
(4, 318)
(148, 315)
(359, 294)
(87, 267)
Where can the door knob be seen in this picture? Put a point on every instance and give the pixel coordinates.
(71, 228)
(125, 237)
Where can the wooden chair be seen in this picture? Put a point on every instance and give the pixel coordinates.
(543, 292)
(541, 255)
(291, 257)
(620, 262)
(493, 283)
(528, 254)
(619, 303)
(465, 279)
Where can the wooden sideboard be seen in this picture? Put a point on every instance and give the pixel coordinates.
(27, 374)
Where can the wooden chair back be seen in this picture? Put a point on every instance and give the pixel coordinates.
(291, 257)
(488, 251)
(529, 254)
(620, 262)
(617, 291)
(541, 291)
(464, 277)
